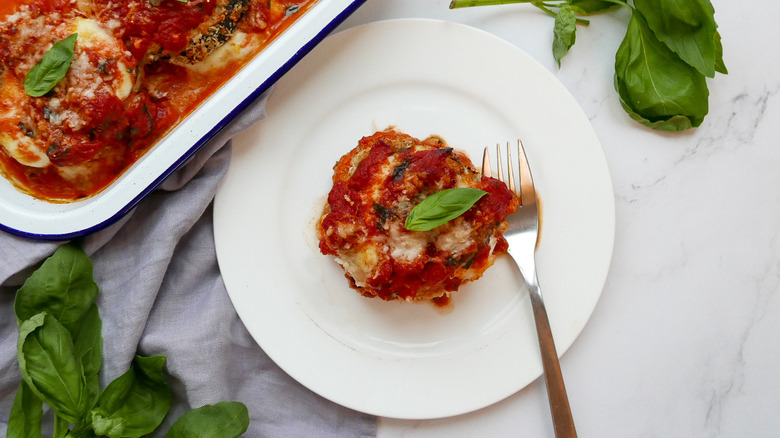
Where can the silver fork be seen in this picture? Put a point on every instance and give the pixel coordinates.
(522, 236)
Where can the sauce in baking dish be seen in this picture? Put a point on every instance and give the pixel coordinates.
(136, 69)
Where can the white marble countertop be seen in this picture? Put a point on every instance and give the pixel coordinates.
(684, 339)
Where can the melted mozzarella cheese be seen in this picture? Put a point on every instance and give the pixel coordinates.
(93, 37)
(360, 264)
(24, 150)
(456, 239)
(18, 144)
(406, 246)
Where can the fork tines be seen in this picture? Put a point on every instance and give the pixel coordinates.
(527, 192)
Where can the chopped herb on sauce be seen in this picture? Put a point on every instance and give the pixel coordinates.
(399, 170)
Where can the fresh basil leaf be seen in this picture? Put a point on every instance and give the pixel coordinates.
(442, 207)
(720, 66)
(112, 427)
(63, 287)
(87, 344)
(587, 7)
(565, 32)
(49, 365)
(136, 402)
(687, 27)
(26, 414)
(224, 420)
(655, 86)
(52, 67)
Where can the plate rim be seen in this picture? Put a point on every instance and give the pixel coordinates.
(509, 391)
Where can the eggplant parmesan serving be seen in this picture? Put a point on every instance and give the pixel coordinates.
(87, 86)
(378, 189)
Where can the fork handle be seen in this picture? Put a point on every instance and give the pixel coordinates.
(563, 422)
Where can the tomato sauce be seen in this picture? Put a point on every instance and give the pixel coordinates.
(168, 23)
(115, 131)
(365, 201)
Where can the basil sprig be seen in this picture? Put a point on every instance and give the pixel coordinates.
(59, 352)
(442, 207)
(52, 67)
(669, 48)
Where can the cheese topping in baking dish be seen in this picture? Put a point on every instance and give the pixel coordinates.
(137, 68)
(376, 186)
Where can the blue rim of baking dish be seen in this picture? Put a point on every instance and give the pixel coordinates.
(262, 88)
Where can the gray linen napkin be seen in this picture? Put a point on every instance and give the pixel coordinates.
(161, 293)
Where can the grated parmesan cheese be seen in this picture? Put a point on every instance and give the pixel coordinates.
(405, 245)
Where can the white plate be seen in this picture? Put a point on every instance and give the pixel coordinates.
(409, 360)
(26, 216)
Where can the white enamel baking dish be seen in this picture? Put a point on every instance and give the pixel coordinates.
(26, 216)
